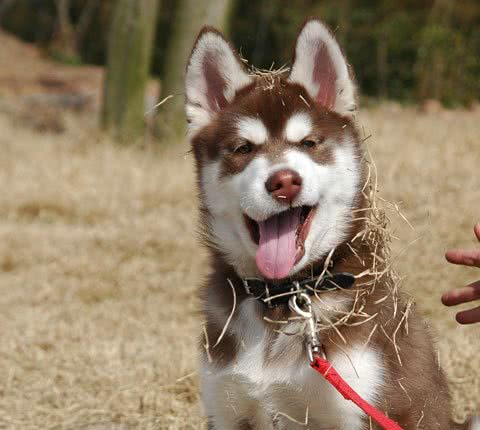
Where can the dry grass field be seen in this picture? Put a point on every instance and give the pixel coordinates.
(99, 265)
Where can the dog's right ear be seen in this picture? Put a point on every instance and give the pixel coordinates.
(320, 66)
(214, 74)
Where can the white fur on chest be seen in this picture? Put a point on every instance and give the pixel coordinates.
(274, 397)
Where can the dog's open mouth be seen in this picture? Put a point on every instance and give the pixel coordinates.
(281, 240)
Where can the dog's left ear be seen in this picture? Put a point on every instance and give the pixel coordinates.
(215, 73)
(320, 67)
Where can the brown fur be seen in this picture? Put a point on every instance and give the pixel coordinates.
(274, 104)
(414, 392)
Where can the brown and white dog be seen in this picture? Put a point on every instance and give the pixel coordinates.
(280, 175)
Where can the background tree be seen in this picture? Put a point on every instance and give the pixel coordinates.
(407, 50)
(68, 35)
(189, 17)
(128, 64)
(4, 7)
(448, 63)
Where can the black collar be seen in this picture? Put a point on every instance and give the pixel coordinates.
(273, 295)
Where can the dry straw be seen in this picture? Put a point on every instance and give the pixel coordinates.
(100, 267)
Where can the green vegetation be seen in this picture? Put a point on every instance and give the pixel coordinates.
(408, 50)
(403, 50)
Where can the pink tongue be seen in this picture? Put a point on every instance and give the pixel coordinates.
(277, 248)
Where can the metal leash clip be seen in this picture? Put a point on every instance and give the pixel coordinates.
(312, 343)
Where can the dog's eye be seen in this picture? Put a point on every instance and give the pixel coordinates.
(244, 148)
(309, 143)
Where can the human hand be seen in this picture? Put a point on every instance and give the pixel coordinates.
(470, 292)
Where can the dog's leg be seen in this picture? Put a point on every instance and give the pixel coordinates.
(245, 415)
(242, 425)
(258, 420)
(228, 408)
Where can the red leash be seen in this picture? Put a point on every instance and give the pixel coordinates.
(326, 369)
(301, 304)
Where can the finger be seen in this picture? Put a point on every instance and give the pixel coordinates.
(469, 317)
(462, 295)
(464, 256)
(476, 229)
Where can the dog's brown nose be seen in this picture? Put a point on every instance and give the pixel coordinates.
(284, 185)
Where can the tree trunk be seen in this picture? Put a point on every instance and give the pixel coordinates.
(63, 44)
(85, 20)
(128, 64)
(190, 17)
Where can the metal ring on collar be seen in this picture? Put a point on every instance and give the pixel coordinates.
(294, 306)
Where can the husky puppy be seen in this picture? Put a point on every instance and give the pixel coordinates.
(281, 179)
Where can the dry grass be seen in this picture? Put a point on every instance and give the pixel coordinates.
(99, 264)
(427, 163)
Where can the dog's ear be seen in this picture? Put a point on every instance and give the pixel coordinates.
(320, 67)
(214, 74)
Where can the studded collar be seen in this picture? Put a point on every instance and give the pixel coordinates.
(272, 295)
